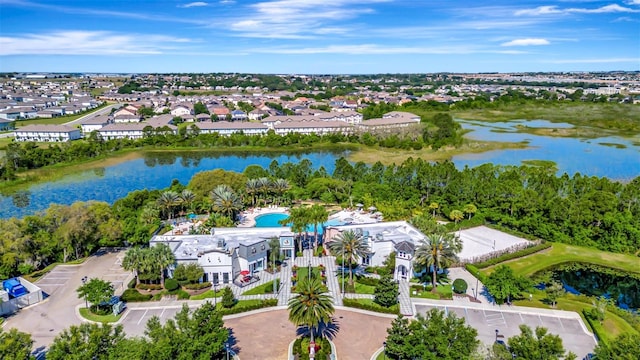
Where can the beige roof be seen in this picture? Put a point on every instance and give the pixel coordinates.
(388, 121)
(46, 128)
(226, 125)
(312, 124)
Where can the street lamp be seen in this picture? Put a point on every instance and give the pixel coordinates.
(215, 296)
(384, 349)
(497, 331)
(84, 281)
(343, 270)
(226, 347)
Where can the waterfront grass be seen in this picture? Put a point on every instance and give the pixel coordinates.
(386, 156)
(623, 118)
(85, 313)
(562, 253)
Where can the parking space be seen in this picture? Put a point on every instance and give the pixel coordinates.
(507, 323)
(56, 279)
(135, 320)
(116, 275)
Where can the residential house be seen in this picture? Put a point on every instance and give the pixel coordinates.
(6, 125)
(95, 123)
(238, 115)
(180, 110)
(227, 128)
(47, 133)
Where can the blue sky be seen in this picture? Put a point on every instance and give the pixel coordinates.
(319, 36)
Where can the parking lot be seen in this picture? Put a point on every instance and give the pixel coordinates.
(507, 322)
(134, 320)
(56, 279)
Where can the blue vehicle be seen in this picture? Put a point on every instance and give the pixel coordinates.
(14, 288)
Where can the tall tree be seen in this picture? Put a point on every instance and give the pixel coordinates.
(85, 341)
(311, 306)
(318, 215)
(530, 345)
(625, 347)
(274, 255)
(96, 291)
(437, 251)
(503, 284)
(456, 215)
(15, 344)
(163, 257)
(167, 201)
(351, 247)
(133, 261)
(386, 292)
(226, 201)
(470, 209)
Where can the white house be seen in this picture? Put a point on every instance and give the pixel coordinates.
(226, 253)
(227, 128)
(95, 123)
(312, 127)
(47, 133)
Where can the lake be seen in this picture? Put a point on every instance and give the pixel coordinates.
(154, 170)
(608, 156)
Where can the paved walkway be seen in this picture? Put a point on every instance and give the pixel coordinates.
(404, 299)
(475, 288)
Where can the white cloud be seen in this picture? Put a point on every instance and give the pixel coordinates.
(298, 19)
(633, 2)
(87, 43)
(194, 4)
(526, 42)
(552, 9)
(375, 49)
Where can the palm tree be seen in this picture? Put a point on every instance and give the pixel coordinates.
(438, 251)
(299, 220)
(434, 206)
(264, 186)
(274, 249)
(351, 246)
(281, 186)
(187, 197)
(252, 188)
(167, 201)
(225, 200)
(163, 257)
(470, 209)
(456, 215)
(318, 215)
(132, 261)
(311, 306)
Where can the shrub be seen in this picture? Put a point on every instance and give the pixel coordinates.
(301, 348)
(386, 293)
(370, 306)
(460, 286)
(171, 284)
(182, 295)
(199, 286)
(132, 295)
(475, 272)
(132, 283)
(248, 307)
(228, 300)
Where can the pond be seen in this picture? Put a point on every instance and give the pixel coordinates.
(154, 170)
(587, 280)
(607, 156)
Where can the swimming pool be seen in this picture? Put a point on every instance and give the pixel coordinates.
(271, 220)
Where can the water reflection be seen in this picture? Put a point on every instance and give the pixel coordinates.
(154, 170)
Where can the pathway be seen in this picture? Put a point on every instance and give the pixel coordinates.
(406, 307)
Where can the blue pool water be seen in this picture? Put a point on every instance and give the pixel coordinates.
(271, 220)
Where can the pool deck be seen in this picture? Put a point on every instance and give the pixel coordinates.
(248, 217)
(346, 216)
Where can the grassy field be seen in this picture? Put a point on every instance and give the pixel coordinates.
(622, 118)
(266, 288)
(370, 155)
(442, 292)
(563, 253)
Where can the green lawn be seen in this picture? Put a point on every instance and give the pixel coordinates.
(209, 294)
(442, 292)
(266, 288)
(360, 288)
(85, 313)
(563, 253)
(55, 120)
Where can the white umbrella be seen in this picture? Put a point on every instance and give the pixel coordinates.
(372, 208)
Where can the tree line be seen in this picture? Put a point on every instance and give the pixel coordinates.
(579, 210)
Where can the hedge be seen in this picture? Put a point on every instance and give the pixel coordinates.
(515, 255)
(475, 272)
(596, 327)
(377, 308)
(149, 287)
(132, 295)
(240, 307)
(198, 286)
(132, 283)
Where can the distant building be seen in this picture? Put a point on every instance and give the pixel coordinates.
(47, 133)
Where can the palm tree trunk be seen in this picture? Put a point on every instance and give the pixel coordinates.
(434, 290)
(311, 332)
(350, 274)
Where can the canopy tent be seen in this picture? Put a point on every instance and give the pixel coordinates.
(372, 208)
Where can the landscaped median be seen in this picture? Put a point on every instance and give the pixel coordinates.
(88, 315)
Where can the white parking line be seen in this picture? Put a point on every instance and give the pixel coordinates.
(162, 313)
(143, 315)
(561, 325)
(54, 284)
